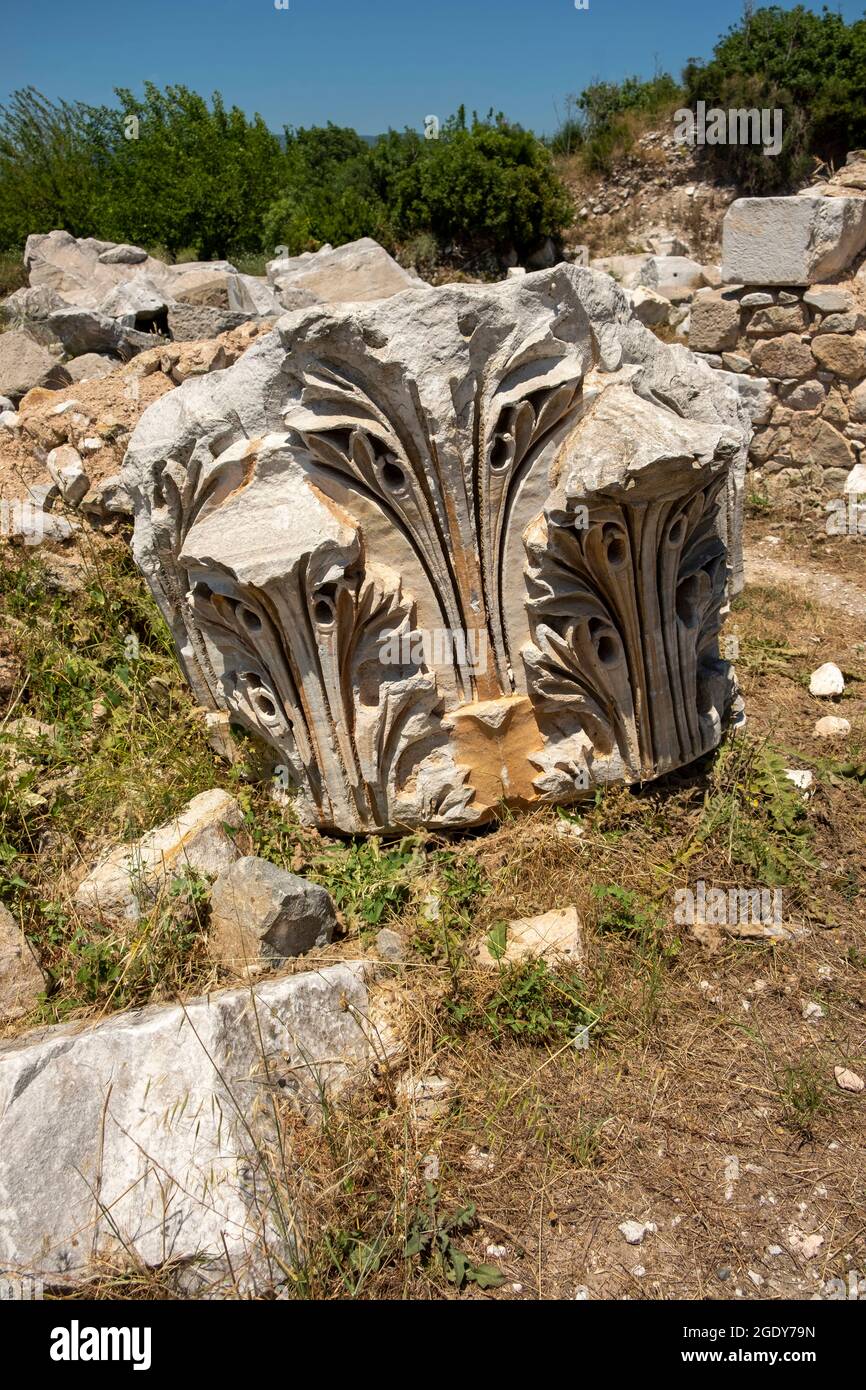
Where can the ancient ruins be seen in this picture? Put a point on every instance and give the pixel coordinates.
(522, 468)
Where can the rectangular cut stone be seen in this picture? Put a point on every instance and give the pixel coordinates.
(145, 1138)
(790, 241)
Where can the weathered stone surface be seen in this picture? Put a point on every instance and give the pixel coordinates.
(808, 395)
(139, 297)
(80, 270)
(122, 254)
(146, 1138)
(676, 277)
(553, 936)
(783, 358)
(190, 322)
(67, 471)
(359, 271)
(30, 305)
(458, 547)
(203, 286)
(87, 330)
(756, 395)
(829, 299)
(714, 325)
(21, 980)
(626, 270)
(790, 241)
(841, 323)
(827, 680)
(816, 441)
(776, 320)
(831, 726)
(260, 914)
(857, 403)
(130, 878)
(25, 364)
(91, 365)
(843, 354)
(649, 308)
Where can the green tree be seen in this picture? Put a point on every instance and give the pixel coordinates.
(810, 66)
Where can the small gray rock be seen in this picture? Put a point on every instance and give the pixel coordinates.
(87, 330)
(190, 323)
(828, 301)
(260, 914)
(122, 255)
(389, 944)
(25, 364)
(91, 365)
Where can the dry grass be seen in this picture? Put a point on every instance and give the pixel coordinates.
(705, 1102)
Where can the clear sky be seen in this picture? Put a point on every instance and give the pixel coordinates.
(370, 64)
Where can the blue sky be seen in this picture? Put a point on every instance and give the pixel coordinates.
(370, 64)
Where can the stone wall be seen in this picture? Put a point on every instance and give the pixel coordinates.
(796, 349)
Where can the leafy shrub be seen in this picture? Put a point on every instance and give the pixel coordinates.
(488, 184)
(810, 66)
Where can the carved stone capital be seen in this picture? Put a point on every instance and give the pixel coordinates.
(451, 550)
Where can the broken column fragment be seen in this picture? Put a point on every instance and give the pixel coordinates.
(459, 548)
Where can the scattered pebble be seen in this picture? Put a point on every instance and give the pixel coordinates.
(827, 680)
(639, 1271)
(831, 726)
(732, 1175)
(802, 779)
(634, 1231)
(848, 1080)
(495, 1252)
(389, 944)
(581, 1293)
(431, 1167)
(756, 1278)
(479, 1159)
(802, 1244)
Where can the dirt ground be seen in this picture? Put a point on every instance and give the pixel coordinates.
(705, 1103)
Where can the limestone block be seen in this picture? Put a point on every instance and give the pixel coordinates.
(149, 1137)
(360, 270)
(676, 277)
(785, 358)
(790, 241)
(451, 550)
(842, 354)
(260, 914)
(130, 877)
(21, 980)
(714, 325)
(25, 364)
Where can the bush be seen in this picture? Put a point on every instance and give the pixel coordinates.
(812, 67)
(488, 185)
(611, 111)
(191, 175)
